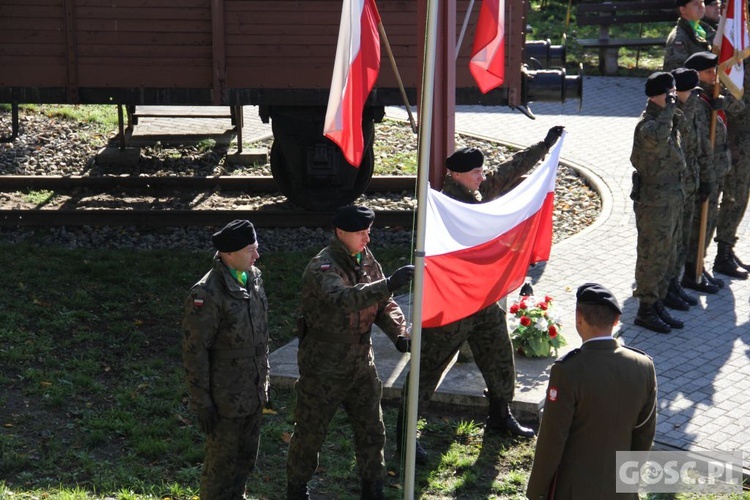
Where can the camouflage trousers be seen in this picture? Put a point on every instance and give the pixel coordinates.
(683, 238)
(711, 221)
(486, 332)
(323, 386)
(231, 452)
(734, 198)
(659, 232)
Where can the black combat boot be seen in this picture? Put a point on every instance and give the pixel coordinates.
(372, 490)
(724, 263)
(675, 286)
(297, 492)
(713, 279)
(501, 419)
(744, 266)
(647, 317)
(666, 317)
(701, 284)
(674, 301)
(420, 455)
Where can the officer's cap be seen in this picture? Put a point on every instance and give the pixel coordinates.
(702, 60)
(234, 236)
(464, 160)
(353, 218)
(594, 293)
(659, 83)
(685, 79)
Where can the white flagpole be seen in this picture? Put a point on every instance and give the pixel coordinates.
(425, 135)
(463, 27)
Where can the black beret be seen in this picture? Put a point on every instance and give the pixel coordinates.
(685, 79)
(681, 3)
(709, 2)
(659, 83)
(702, 60)
(353, 218)
(464, 159)
(593, 293)
(234, 236)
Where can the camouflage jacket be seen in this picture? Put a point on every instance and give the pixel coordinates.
(696, 146)
(657, 155)
(683, 42)
(341, 297)
(721, 155)
(225, 342)
(500, 179)
(739, 117)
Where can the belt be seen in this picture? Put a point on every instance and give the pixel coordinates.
(248, 352)
(662, 179)
(338, 338)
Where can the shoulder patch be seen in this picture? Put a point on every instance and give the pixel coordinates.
(678, 43)
(569, 355)
(325, 266)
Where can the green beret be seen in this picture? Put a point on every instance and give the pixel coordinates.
(659, 83)
(353, 218)
(234, 236)
(593, 293)
(464, 159)
(702, 60)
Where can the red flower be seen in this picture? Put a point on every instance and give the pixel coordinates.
(552, 331)
(525, 321)
(547, 298)
(522, 305)
(542, 306)
(514, 309)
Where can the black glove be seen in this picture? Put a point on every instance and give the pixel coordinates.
(705, 189)
(717, 104)
(207, 419)
(553, 135)
(403, 344)
(400, 277)
(671, 98)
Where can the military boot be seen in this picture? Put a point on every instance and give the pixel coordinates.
(647, 317)
(372, 490)
(724, 263)
(421, 455)
(675, 286)
(744, 266)
(713, 279)
(674, 301)
(297, 491)
(666, 317)
(701, 284)
(501, 419)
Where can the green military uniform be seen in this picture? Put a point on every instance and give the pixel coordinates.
(486, 331)
(341, 300)
(683, 41)
(601, 399)
(225, 353)
(658, 158)
(736, 186)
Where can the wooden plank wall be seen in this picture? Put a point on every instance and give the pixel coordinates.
(268, 44)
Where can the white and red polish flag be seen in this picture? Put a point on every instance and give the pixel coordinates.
(476, 253)
(355, 71)
(487, 64)
(735, 46)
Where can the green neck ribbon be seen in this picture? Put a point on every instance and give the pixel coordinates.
(240, 276)
(696, 25)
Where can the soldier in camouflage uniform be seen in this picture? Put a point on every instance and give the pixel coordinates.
(225, 353)
(712, 16)
(658, 200)
(736, 188)
(705, 64)
(697, 151)
(690, 34)
(344, 292)
(486, 331)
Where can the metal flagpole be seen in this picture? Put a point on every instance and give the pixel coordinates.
(425, 135)
(463, 27)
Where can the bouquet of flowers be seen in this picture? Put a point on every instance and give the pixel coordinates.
(535, 326)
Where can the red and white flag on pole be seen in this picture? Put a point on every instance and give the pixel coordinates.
(354, 74)
(487, 63)
(735, 46)
(477, 253)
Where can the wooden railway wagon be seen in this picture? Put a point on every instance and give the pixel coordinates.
(275, 54)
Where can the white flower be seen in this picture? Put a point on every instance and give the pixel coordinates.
(541, 324)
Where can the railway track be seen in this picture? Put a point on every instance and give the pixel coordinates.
(263, 217)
